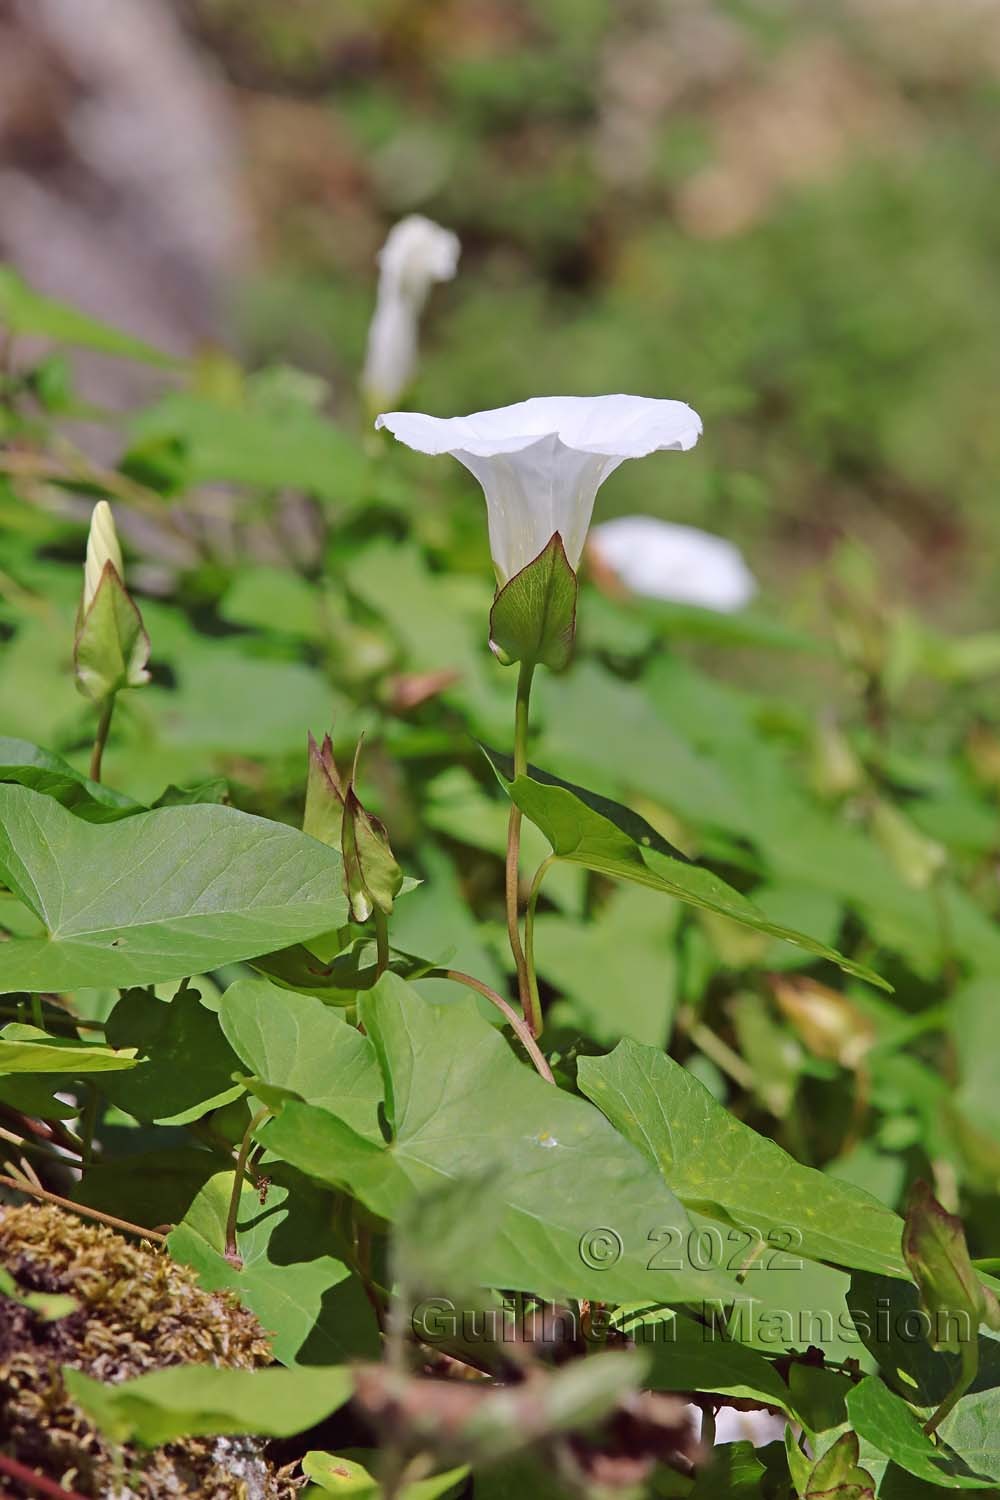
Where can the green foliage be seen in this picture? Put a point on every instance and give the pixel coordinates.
(721, 1167)
(500, 1117)
(204, 1400)
(158, 896)
(313, 1078)
(611, 840)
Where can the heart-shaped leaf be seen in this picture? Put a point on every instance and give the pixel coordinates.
(313, 1306)
(188, 1067)
(458, 1103)
(894, 1428)
(296, 1043)
(158, 896)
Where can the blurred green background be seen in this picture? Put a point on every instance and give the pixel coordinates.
(782, 211)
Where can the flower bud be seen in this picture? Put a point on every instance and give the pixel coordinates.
(371, 874)
(831, 1026)
(111, 648)
(324, 812)
(102, 548)
(335, 815)
(417, 252)
(917, 858)
(835, 770)
(679, 563)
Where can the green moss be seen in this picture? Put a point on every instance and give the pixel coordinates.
(136, 1310)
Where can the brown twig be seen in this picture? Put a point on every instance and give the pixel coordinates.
(81, 1208)
(53, 1131)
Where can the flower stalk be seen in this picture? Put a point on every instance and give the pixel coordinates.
(511, 883)
(533, 1009)
(101, 737)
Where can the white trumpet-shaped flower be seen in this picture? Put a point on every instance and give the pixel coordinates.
(679, 563)
(541, 462)
(417, 252)
(102, 547)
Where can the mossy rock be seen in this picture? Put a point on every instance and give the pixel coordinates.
(136, 1310)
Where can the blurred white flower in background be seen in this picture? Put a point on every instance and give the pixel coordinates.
(416, 254)
(679, 563)
(757, 1427)
(541, 462)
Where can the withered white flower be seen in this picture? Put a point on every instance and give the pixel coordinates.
(102, 547)
(541, 462)
(417, 253)
(679, 563)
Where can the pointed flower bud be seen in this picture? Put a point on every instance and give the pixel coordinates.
(111, 649)
(335, 815)
(324, 812)
(830, 1025)
(102, 548)
(835, 770)
(918, 860)
(416, 254)
(954, 1299)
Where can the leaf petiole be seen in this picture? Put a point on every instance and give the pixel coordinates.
(524, 676)
(231, 1252)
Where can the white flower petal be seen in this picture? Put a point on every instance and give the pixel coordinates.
(618, 426)
(541, 462)
(680, 563)
(418, 252)
(102, 547)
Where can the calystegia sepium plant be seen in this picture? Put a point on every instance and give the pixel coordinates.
(414, 1084)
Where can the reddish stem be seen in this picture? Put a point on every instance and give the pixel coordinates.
(38, 1482)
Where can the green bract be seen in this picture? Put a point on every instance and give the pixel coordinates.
(533, 618)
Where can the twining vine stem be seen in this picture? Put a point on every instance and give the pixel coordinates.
(525, 674)
(14, 1469)
(517, 1022)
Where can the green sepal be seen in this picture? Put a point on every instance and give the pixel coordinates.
(372, 876)
(335, 815)
(838, 1473)
(111, 647)
(324, 795)
(533, 618)
(937, 1255)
